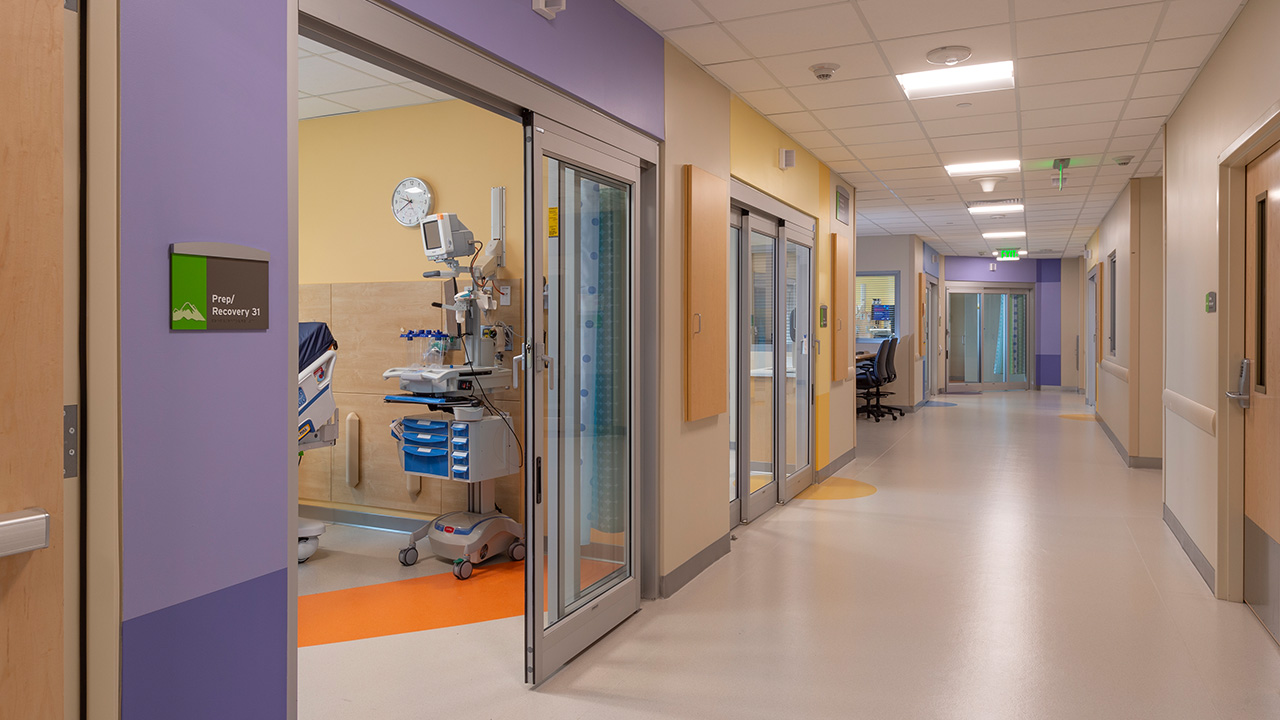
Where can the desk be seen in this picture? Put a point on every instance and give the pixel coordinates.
(863, 356)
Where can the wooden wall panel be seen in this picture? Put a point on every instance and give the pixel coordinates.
(706, 371)
(841, 315)
(367, 321)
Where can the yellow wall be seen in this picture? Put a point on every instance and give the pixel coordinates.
(348, 166)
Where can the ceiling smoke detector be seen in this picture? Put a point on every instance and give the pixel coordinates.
(987, 183)
(824, 71)
(949, 55)
(1123, 160)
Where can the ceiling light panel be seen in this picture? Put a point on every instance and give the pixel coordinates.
(1003, 235)
(984, 168)
(958, 80)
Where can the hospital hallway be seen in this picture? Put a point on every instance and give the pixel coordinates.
(1008, 565)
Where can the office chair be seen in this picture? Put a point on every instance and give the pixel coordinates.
(891, 373)
(871, 377)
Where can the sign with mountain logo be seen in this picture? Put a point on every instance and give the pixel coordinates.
(217, 286)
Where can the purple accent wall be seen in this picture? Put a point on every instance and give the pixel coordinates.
(976, 269)
(595, 50)
(219, 656)
(206, 416)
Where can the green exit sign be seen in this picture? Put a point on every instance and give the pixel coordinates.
(1009, 254)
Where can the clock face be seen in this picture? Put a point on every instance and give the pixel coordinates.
(411, 202)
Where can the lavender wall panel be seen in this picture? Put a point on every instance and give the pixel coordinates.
(595, 50)
(204, 126)
(978, 269)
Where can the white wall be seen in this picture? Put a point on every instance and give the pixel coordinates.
(1234, 89)
(1113, 392)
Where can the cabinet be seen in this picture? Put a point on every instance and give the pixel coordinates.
(841, 308)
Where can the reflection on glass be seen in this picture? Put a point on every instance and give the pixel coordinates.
(799, 307)
(995, 344)
(587, 388)
(1019, 347)
(733, 361)
(963, 346)
(762, 324)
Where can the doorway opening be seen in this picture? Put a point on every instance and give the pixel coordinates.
(990, 335)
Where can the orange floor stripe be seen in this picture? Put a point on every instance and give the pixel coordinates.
(403, 606)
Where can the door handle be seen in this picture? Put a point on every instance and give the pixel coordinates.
(1243, 389)
(698, 317)
(24, 531)
(517, 361)
(549, 363)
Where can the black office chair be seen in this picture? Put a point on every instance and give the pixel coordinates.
(871, 377)
(891, 373)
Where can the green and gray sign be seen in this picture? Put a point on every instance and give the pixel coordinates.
(217, 286)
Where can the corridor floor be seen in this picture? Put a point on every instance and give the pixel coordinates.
(1008, 566)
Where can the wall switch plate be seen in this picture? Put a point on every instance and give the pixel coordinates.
(1211, 302)
(822, 316)
(504, 294)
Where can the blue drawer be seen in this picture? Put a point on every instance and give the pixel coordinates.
(461, 429)
(426, 440)
(460, 457)
(461, 472)
(426, 461)
(459, 443)
(425, 426)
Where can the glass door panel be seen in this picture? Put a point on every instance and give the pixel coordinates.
(761, 299)
(798, 286)
(963, 339)
(733, 337)
(1019, 334)
(995, 347)
(580, 575)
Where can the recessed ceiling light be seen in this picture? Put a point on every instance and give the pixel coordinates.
(993, 209)
(1001, 235)
(983, 168)
(958, 80)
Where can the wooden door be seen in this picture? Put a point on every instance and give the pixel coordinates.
(1262, 418)
(31, 247)
(706, 236)
(841, 315)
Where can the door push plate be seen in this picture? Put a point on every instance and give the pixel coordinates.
(70, 441)
(24, 531)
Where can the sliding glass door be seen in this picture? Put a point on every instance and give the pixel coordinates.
(989, 338)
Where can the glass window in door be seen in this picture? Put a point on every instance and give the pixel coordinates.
(798, 329)
(761, 303)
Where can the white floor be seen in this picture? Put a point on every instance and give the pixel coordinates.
(1009, 566)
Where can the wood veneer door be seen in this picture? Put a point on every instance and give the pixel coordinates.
(31, 247)
(1262, 419)
(706, 284)
(840, 315)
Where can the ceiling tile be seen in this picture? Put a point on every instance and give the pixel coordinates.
(1087, 30)
(985, 103)
(795, 122)
(1142, 126)
(800, 30)
(1131, 144)
(1074, 115)
(932, 182)
(983, 141)
(880, 133)
(1085, 131)
(1084, 65)
(1195, 17)
(968, 156)
(1080, 92)
(833, 154)
(312, 107)
(367, 68)
(1150, 107)
(989, 44)
(666, 14)
(844, 93)
(842, 166)
(320, 76)
(891, 149)
(930, 172)
(1064, 150)
(816, 139)
(908, 161)
(1188, 52)
(707, 44)
(772, 102)
(736, 9)
(863, 115)
(743, 75)
(971, 125)
(311, 46)
(378, 98)
(855, 61)
(1170, 82)
(901, 18)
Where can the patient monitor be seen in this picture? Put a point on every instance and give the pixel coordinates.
(444, 237)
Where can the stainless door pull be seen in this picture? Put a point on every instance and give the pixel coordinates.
(24, 531)
(1242, 393)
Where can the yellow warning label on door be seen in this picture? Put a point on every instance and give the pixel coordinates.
(553, 222)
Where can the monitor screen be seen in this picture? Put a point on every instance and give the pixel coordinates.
(431, 235)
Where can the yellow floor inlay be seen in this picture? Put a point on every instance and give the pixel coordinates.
(837, 488)
(1082, 418)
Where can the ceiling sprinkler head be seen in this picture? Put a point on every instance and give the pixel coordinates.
(824, 71)
(1123, 160)
(949, 55)
(988, 184)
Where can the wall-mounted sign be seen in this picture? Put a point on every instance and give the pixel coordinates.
(842, 205)
(217, 286)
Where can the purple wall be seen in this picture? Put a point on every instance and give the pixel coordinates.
(204, 127)
(595, 50)
(978, 269)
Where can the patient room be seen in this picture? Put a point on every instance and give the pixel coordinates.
(410, 476)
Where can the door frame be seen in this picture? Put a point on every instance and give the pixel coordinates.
(1091, 332)
(1233, 207)
(1002, 288)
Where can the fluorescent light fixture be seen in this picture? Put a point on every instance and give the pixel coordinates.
(1002, 235)
(1022, 252)
(958, 80)
(995, 209)
(984, 168)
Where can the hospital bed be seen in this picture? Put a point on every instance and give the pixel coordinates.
(317, 411)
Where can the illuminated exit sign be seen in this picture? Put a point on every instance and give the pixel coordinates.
(1008, 254)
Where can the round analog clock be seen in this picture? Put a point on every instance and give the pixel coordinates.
(411, 202)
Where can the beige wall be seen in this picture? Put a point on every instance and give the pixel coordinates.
(905, 254)
(1073, 329)
(1150, 331)
(1114, 238)
(693, 493)
(1235, 88)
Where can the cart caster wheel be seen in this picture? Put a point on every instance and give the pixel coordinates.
(307, 548)
(462, 569)
(408, 556)
(516, 551)
(895, 418)
(877, 419)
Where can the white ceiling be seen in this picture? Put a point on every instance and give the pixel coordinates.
(334, 83)
(1094, 79)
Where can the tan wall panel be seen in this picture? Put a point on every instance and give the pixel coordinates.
(367, 321)
(382, 482)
